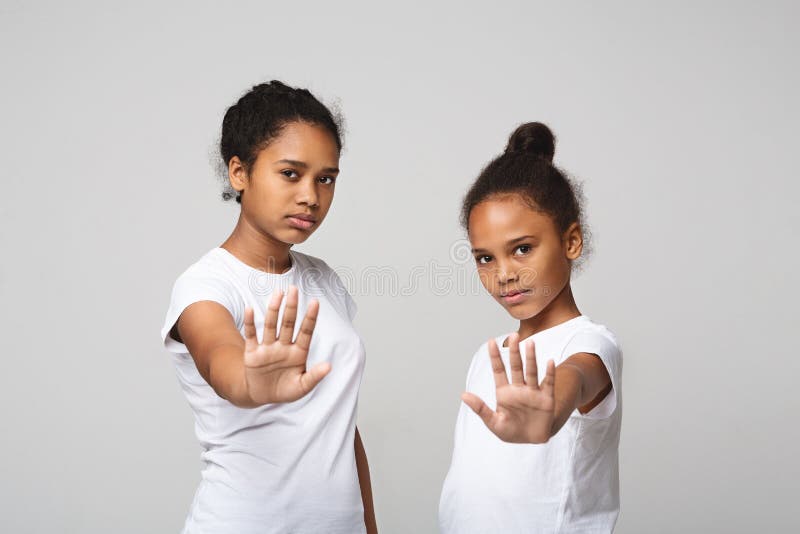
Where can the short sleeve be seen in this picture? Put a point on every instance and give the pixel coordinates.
(605, 346)
(190, 288)
(352, 307)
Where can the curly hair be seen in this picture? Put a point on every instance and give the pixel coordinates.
(526, 168)
(259, 116)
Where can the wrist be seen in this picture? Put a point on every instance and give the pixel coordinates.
(240, 392)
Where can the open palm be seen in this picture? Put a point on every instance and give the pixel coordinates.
(275, 369)
(525, 409)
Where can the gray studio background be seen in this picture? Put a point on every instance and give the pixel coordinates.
(681, 121)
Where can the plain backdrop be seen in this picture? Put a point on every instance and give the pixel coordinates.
(680, 120)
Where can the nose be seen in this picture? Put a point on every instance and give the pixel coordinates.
(307, 193)
(505, 272)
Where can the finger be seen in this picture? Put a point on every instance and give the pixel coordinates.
(498, 369)
(312, 377)
(549, 381)
(250, 339)
(515, 360)
(289, 316)
(271, 319)
(307, 326)
(531, 371)
(479, 407)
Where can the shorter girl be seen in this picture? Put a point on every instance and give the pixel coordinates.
(534, 457)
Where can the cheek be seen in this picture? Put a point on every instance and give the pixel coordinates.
(548, 265)
(325, 199)
(553, 280)
(485, 275)
(264, 189)
(529, 275)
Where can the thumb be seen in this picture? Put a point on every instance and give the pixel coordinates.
(479, 407)
(313, 376)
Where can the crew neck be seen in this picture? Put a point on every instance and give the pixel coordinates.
(242, 265)
(547, 331)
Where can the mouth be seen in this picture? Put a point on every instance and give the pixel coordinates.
(516, 296)
(302, 221)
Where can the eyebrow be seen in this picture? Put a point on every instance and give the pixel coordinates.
(510, 242)
(304, 165)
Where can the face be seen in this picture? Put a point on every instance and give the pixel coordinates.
(289, 189)
(523, 261)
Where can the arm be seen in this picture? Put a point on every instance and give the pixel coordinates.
(209, 333)
(581, 382)
(366, 487)
(528, 412)
(242, 370)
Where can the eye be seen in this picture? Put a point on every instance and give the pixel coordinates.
(483, 260)
(522, 249)
(290, 173)
(330, 180)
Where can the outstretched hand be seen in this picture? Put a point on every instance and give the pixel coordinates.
(275, 369)
(525, 409)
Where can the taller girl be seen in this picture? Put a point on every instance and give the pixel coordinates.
(534, 457)
(280, 449)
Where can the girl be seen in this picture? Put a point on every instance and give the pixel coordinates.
(275, 414)
(534, 457)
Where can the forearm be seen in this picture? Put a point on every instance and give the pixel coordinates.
(568, 394)
(366, 487)
(227, 377)
(581, 382)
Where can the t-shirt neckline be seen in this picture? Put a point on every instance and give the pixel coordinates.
(546, 332)
(242, 265)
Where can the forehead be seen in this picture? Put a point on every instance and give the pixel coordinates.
(498, 220)
(304, 142)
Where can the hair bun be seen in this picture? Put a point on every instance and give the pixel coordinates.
(532, 138)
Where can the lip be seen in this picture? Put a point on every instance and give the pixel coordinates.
(301, 221)
(516, 296)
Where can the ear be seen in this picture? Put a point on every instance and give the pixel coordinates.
(237, 174)
(573, 241)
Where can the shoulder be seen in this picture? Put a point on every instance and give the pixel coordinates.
(596, 329)
(307, 261)
(316, 271)
(594, 338)
(209, 267)
(208, 278)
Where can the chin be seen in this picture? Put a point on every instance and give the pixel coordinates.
(295, 240)
(294, 237)
(518, 314)
(521, 313)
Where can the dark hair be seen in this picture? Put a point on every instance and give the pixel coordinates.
(526, 168)
(260, 115)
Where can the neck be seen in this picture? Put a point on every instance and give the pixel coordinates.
(257, 249)
(561, 309)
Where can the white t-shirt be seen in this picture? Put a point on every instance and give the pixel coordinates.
(287, 467)
(569, 484)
